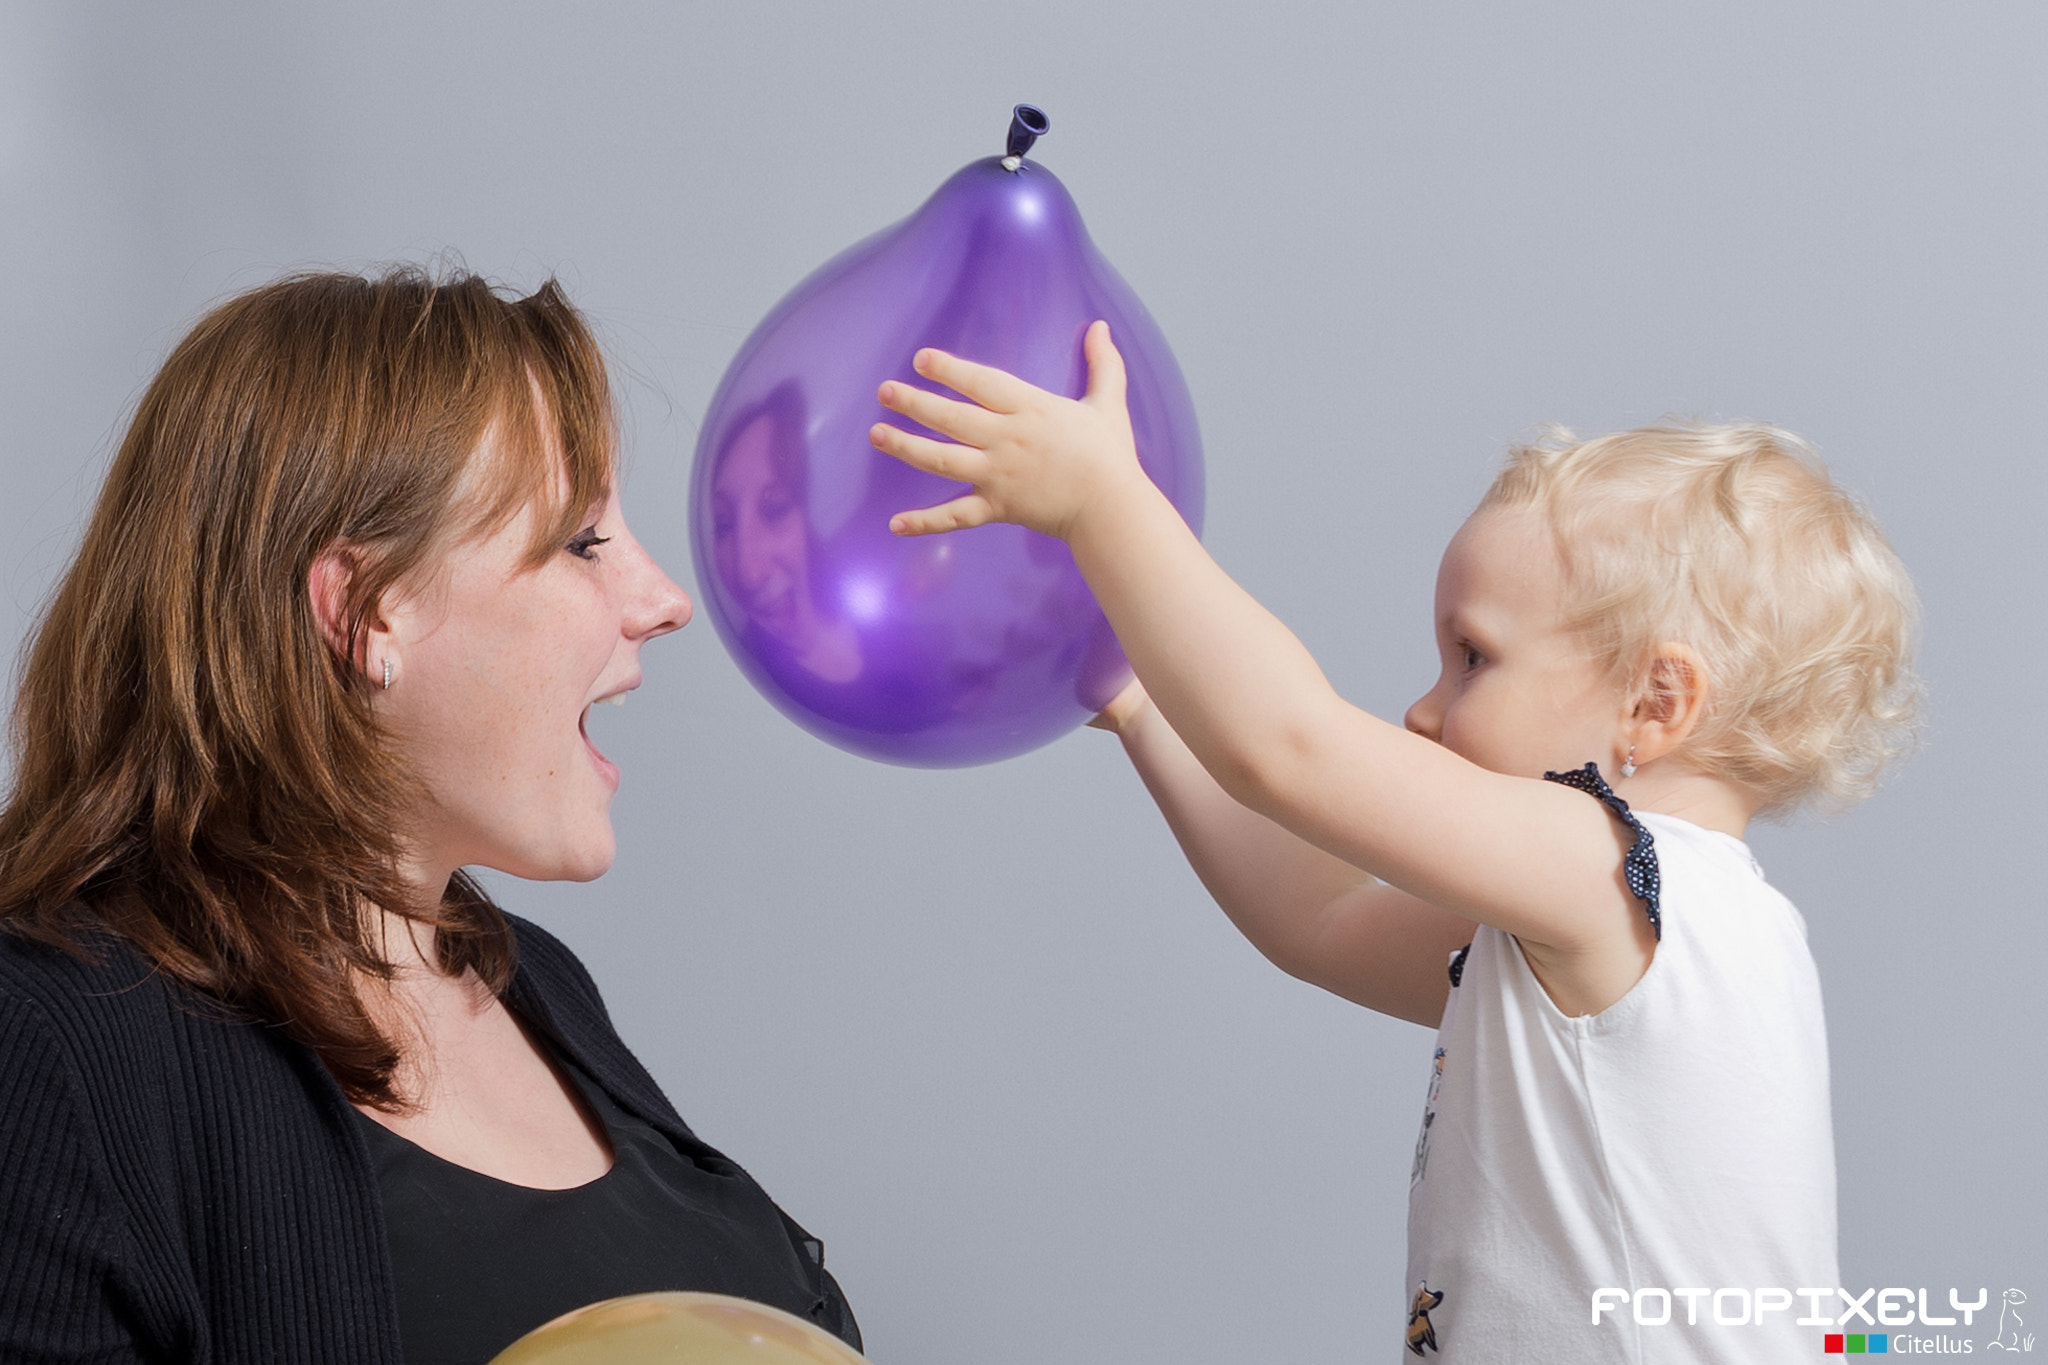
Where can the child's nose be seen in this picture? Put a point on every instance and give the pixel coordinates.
(1426, 717)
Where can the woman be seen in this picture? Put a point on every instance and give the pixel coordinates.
(761, 542)
(277, 1080)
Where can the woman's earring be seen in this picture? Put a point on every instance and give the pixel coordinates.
(387, 685)
(1628, 765)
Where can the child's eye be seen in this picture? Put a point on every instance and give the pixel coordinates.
(585, 542)
(1471, 656)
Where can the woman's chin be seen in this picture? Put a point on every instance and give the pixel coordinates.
(588, 864)
(581, 860)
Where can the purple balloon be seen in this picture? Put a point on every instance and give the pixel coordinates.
(939, 651)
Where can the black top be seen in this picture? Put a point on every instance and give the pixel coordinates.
(178, 1185)
(480, 1262)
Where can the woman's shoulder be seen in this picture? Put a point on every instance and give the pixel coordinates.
(134, 1042)
(88, 1049)
(126, 1037)
(98, 977)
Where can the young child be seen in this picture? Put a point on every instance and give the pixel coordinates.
(1646, 641)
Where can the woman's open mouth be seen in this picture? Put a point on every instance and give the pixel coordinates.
(606, 769)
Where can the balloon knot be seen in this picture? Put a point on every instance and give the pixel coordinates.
(1027, 125)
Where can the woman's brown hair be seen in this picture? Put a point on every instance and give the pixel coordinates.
(197, 770)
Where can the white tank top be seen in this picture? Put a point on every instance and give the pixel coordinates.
(1678, 1140)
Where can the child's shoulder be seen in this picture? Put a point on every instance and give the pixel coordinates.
(1715, 894)
(1679, 837)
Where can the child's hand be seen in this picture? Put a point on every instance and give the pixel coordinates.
(1034, 458)
(1122, 708)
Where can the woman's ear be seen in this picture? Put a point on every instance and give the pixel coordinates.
(1671, 703)
(327, 587)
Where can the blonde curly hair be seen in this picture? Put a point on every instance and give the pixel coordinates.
(1733, 540)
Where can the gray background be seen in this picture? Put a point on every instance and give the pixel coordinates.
(981, 1030)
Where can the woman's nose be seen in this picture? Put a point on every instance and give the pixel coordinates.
(658, 605)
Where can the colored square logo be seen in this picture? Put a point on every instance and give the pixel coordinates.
(1831, 1345)
(1880, 1343)
(1855, 1346)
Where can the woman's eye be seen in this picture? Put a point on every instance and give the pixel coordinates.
(586, 542)
(1472, 657)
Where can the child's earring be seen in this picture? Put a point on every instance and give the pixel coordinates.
(1628, 765)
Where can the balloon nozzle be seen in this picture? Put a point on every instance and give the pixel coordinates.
(1027, 125)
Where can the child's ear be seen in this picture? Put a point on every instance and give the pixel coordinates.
(1671, 704)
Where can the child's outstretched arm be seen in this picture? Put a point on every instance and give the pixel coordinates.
(1532, 858)
(1312, 914)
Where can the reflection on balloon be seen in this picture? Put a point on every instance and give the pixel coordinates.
(946, 650)
(675, 1328)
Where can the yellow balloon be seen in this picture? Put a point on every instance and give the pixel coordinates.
(677, 1328)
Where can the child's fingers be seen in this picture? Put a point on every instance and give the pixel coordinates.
(1124, 705)
(996, 390)
(962, 421)
(943, 458)
(1106, 379)
(960, 514)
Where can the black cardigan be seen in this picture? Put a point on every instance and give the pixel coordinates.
(177, 1184)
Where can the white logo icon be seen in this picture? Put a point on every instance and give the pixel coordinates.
(2009, 1340)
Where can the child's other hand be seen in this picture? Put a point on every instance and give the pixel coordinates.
(1034, 458)
(1122, 708)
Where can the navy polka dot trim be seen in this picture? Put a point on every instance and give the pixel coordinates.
(1639, 864)
(1458, 964)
